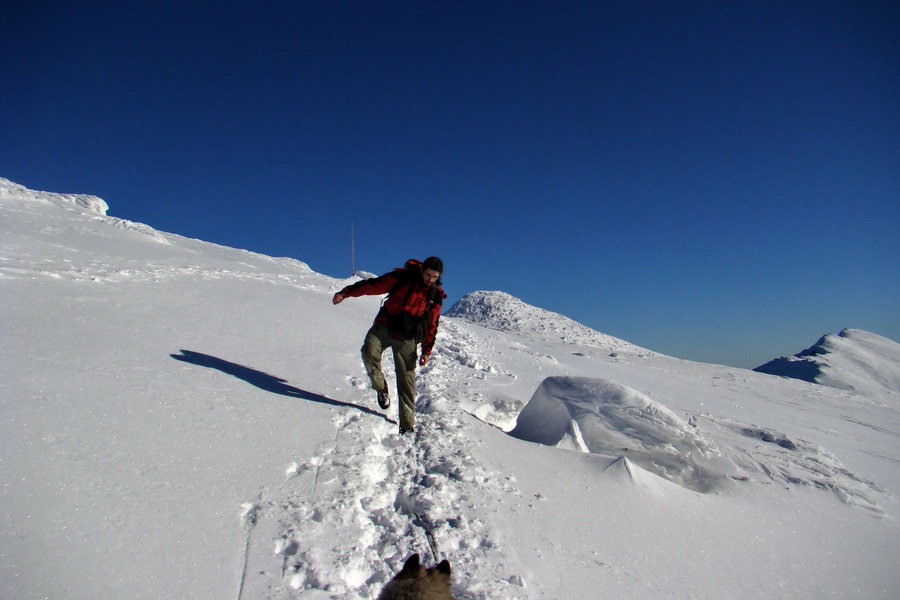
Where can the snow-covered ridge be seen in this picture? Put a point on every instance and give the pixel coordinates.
(853, 360)
(10, 189)
(504, 312)
(40, 231)
(92, 206)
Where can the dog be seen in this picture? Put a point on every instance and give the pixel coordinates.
(415, 582)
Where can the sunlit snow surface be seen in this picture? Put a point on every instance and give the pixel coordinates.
(853, 360)
(185, 420)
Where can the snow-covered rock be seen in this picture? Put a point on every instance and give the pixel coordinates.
(504, 312)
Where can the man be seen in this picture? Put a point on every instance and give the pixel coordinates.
(409, 315)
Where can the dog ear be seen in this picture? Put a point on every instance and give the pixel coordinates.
(444, 567)
(411, 568)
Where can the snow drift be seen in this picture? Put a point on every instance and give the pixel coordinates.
(11, 190)
(603, 417)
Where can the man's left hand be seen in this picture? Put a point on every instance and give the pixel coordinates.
(423, 360)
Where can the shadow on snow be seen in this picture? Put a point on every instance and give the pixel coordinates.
(264, 381)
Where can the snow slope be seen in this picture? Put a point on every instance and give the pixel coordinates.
(500, 311)
(852, 360)
(185, 420)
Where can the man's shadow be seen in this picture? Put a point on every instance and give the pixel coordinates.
(264, 381)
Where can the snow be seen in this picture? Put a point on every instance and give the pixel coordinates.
(604, 417)
(852, 360)
(503, 312)
(186, 420)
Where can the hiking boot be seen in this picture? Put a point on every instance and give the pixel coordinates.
(384, 400)
(405, 431)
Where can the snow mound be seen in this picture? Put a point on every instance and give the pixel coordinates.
(504, 312)
(89, 206)
(853, 360)
(9, 189)
(603, 417)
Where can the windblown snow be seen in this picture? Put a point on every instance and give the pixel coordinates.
(603, 417)
(186, 420)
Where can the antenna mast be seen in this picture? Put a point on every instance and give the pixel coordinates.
(352, 252)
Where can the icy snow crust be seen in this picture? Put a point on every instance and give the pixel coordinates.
(185, 420)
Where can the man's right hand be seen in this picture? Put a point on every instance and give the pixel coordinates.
(338, 298)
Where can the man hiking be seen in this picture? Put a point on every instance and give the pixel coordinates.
(408, 316)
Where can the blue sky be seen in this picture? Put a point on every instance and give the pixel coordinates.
(718, 181)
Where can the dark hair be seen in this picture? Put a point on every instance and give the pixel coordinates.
(433, 263)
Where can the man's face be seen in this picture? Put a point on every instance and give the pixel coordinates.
(430, 276)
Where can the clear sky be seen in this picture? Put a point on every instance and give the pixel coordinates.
(718, 181)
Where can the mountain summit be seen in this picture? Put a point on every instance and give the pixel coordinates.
(853, 360)
(503, 312)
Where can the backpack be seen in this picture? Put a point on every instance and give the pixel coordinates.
(412, 271)
(404, 325)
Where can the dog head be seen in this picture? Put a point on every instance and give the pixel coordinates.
(415, 582)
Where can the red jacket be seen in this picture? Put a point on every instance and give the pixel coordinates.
(406, 293)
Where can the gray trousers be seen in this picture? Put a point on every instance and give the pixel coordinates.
(405, 356)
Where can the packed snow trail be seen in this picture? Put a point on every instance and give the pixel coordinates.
(341, 524)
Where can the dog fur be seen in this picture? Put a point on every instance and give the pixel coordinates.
(415, 582)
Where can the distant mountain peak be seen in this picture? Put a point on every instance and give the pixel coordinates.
(504, 312)
(853, 359)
